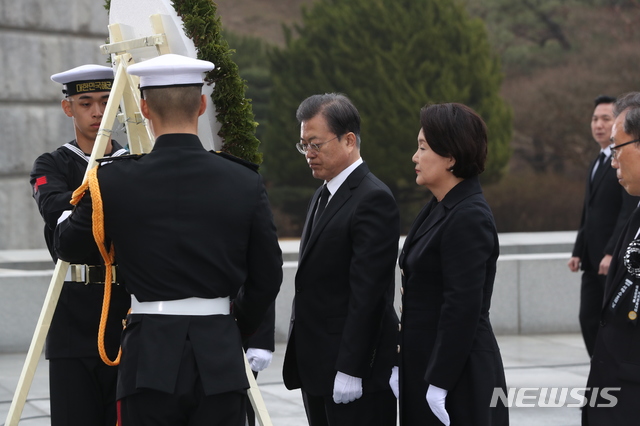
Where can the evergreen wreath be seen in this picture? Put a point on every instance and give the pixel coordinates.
(234, 111)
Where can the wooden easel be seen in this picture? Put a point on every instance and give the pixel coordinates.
(126, 96)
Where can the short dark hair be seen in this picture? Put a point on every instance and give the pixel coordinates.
(341, 115)
(455, 130)
(174, 103)
(603, 99)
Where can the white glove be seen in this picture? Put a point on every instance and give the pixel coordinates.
(65, 214)
(259, 359)
(435, 399)
(346, 388)
(393, 382)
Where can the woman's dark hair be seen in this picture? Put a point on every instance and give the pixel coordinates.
(455, 130)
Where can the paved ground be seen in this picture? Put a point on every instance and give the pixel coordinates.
(556, 360)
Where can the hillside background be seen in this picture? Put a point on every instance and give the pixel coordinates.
(556, 58)
(260, 18)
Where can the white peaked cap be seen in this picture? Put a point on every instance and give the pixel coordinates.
(84, 79)
(170, 70)
(84, 73)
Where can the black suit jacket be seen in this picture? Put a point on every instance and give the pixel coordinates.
(606, 209)
(343, 317)
(616, 357)
(184, 223)
(448, 265)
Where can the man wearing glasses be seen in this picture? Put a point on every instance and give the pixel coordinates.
(615, 366)
(343, 324)
(606, 208)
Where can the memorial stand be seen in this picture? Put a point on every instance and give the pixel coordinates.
(125, 97)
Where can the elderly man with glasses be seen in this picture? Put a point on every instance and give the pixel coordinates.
(342, 338)
(605, 210)
(614, 379)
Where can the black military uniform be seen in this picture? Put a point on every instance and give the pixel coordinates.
(191, 230)
(79, 380)
(185, 224)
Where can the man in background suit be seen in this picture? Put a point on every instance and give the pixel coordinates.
(615, 365)
(343, 323)
(607, 207)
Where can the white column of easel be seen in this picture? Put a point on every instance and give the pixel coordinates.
(122, 84)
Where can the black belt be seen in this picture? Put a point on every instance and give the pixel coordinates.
(90, 274)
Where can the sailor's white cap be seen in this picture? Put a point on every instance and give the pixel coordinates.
(84, 79)
(170, 70)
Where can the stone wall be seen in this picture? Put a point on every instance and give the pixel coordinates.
(37, 39)
(534, 293)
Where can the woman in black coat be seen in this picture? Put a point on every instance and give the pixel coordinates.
(450, 363)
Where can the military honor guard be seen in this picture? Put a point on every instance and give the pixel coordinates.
(190, 230)
(82, 387)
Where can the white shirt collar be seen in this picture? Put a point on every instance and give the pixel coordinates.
(334, 184)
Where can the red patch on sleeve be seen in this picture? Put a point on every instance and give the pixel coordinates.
(119, 412)
(42, 180)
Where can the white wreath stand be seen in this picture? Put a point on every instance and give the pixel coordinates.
(126, 96)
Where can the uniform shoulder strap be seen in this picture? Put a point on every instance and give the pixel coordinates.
(248, 164)
(106, 160)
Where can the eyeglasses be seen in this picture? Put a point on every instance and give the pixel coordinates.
(614, 147)
(303, 148)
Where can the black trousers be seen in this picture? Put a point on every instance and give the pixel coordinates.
(82, 392)
(372, 409)
(187, 406)
(591, 296)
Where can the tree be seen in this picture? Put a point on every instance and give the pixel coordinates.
(234, 112)
(391, 58)
(250, 54)
(534, 34)
(534, 21)
(552, 95)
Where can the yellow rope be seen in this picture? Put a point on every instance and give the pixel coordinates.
(91, 183)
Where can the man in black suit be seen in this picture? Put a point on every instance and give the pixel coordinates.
(343, 323)
(607, 207)
(615, 365)
(190, 230)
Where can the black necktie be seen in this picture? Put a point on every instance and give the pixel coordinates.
(324, 198)
(599, 163)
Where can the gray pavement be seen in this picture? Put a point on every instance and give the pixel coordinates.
(533, 361)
